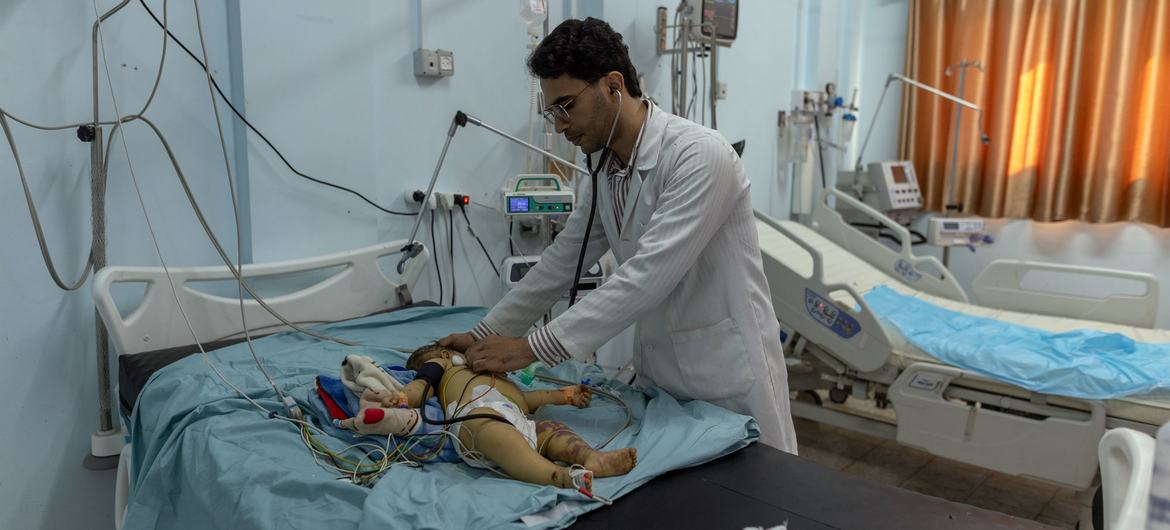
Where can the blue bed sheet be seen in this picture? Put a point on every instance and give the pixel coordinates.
(205, 458)
(1084, 364)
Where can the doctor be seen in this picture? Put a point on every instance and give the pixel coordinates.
(674, 206)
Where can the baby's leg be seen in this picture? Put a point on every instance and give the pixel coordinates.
(501, 443)
(557, 442)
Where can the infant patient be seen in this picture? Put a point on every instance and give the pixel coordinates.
(508, 439)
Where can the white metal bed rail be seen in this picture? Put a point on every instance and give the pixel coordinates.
(925, 273)
(358, 286)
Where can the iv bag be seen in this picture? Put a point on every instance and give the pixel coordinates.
(533, 12)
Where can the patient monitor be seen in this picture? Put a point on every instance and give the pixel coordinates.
(890, 187)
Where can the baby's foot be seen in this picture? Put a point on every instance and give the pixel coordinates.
(575, 478)
(578, 395)
(612, 463)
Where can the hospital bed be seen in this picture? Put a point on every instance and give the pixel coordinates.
(147, 326)
(200, 456)
(819, 275)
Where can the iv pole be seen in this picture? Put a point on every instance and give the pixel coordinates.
(106, 443)
(951, 173)
(958, 110)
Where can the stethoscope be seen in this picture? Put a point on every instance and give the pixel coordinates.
(593, 171)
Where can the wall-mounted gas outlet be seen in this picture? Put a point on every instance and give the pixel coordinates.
(434, 63)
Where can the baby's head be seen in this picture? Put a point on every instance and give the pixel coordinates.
(426, 353)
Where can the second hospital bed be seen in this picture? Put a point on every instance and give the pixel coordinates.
(817, 273)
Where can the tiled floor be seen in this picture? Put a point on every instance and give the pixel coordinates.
(888, 462)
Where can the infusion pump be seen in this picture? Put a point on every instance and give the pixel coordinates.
(538, 196)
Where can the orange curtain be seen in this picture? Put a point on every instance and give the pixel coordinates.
(1076, 102)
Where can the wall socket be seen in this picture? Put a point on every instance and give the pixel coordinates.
(434, 63)
(439, 199)
(720, 90)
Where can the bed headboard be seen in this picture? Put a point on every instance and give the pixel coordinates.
(346, 284)
(925, 273)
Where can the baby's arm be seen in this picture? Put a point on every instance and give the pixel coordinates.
(577, 395)
(414, 390)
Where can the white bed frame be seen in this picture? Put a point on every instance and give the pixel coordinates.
(1001, 285)
(925, 273)
(358, 282)
(358, 288)
(941, 409)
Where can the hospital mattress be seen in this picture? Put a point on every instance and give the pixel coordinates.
(843, 267)
(135, 370)
(203, 457)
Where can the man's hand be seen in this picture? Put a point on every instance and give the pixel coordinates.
(457, 341)
(500, 354)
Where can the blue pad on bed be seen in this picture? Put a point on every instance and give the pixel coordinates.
(1083, 364)
(205, 458)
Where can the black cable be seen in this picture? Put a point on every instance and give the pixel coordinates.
(438, 269)
(820, 154)
(588, 228)
(451, 250)
(463, 210)
(511, 229)
(253, 128)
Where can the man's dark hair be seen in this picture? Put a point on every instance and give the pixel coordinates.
(586, 50)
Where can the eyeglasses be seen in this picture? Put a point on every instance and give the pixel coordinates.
(560, 111)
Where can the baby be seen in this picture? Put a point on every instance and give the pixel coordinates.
(523, 449)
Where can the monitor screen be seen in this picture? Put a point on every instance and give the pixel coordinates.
(898, 171)
(518, 271)
(724, 14)
(517, 204)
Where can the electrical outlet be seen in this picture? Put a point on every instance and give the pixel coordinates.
(446, 200)
(446, 62)
(414, 198)
(439, 199)
(720, 90)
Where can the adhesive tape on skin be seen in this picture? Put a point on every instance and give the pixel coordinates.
(457, 360)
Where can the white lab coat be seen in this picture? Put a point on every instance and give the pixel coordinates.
(690, 276)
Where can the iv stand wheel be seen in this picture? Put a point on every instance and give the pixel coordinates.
(838, 395)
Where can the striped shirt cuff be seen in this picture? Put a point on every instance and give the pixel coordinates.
(482, 330)
(547, 348)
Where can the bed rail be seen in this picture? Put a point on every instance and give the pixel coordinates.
(925, 273)
(1001, 285)
(352, 283)
(847, 328)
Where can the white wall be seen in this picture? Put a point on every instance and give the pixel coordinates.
(47, 359)
(345, 105)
